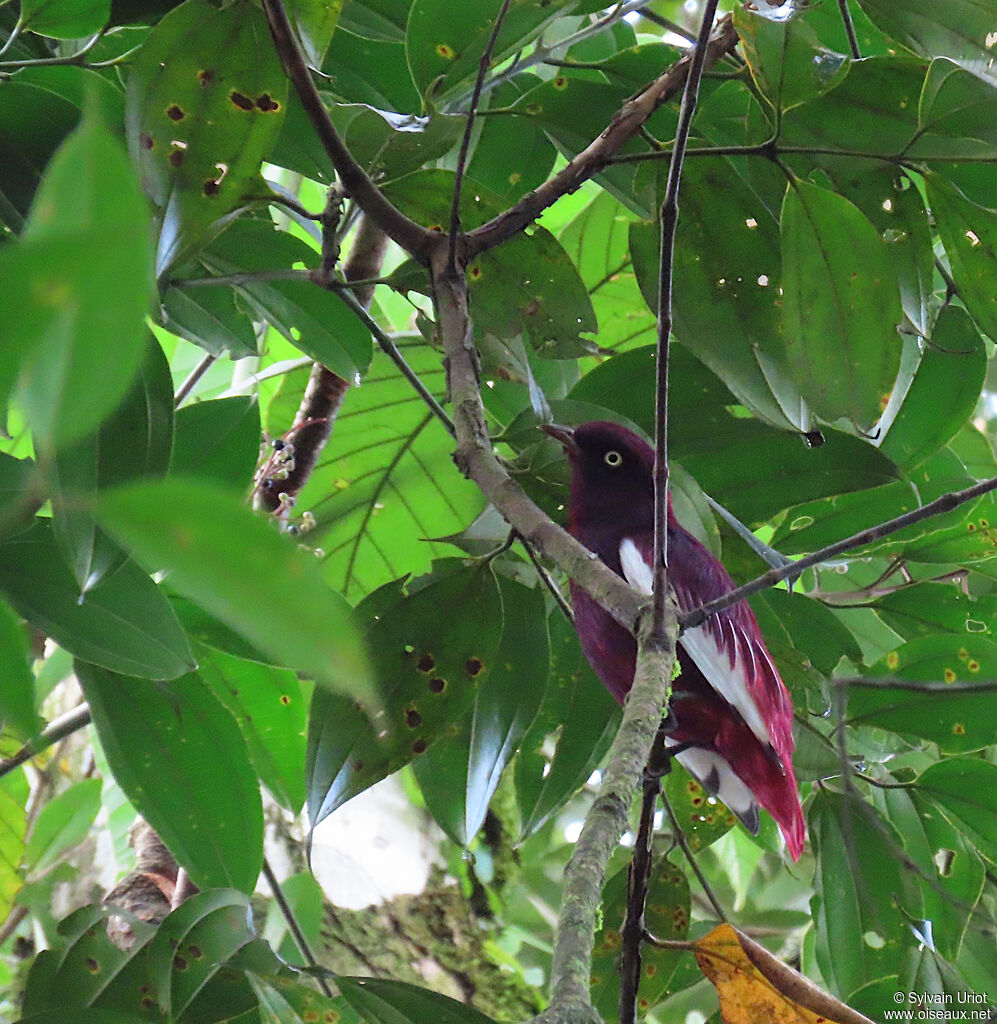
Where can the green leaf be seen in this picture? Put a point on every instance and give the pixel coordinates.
(179, 757)
(223, 557)
(269, 707)
(386, 488)
(666, 916)
(957, 719)
(314, 22)
(582, 715)
(727, 284)
(218, 440)
(965, 791)
(969, 234)
(956, 102)
(209, 316)
(859, 893)
(198, 127)
(841, 306)
(13, 826)
(134, 442)
(944, 392)
(75, 290)
(381, 1001)
(959, 28)
(311, 318)
(429, 669)
(444, 42)
(930, 608)
(17, 695)
(124, 624)
(787, 63)
(63, 823)
(702, 820)
(459, 773)
(20, 493)
(65, 19)
(351, 60)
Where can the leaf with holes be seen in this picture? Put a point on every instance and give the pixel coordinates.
(460, 772)
(666, 916)
(702, 818)
(197, 128)
(965, 790)
(430, 650)
(386, 486)
(841, 306)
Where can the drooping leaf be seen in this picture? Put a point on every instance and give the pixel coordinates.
(964, 790)
(65, 19)
(217, 440)
(13, 828)
(181, 760)
(61, 824)
(223, 557)
(133, 443)
(198, 129)
(208, 317)
(382, 1001)
(841, 306)
(75, 289)
(428, 668)
(859, 893)
(125, 623)
(269, 707)
(315, 22)
(17, 695)
(459, 773)
(578, 709)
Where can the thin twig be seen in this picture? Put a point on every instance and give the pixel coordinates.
(545, 578)
(945, 503)
(65, 725)
(240, 280)
(465, 142)
(689, 856)
(669, 222)
(294, 928)
(39, 62)
(846, 18)
(192, 378)
(414, 238)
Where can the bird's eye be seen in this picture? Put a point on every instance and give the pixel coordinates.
(613, 458)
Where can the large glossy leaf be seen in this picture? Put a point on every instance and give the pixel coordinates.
(727, 280)
(579, 711)
(75, 290)
(787, 63)
(965, 790)
(444, 42)
(181, 760)
(841, 306)
(198, 128)
(218, 440)
(223, 557)
(352, 58)
(931, 608)
(957, 719)
(269, 706)
(958, 103)
(124, 623)
(859, 893)
(385, 485)
(65, 19)
(959, 28)
(382, 1001)
(314, 320)
(460, 772)
(430, 651)
(134, 442)
(969, 234)
(944, 392)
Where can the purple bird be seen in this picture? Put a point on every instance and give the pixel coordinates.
(730, 713)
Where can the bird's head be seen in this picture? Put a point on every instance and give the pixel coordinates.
(612, 470)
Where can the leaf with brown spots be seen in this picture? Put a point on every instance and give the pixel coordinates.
(422, 646)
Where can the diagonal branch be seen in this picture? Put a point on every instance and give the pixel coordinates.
(945, 503)
(414, 238)
(633, 114)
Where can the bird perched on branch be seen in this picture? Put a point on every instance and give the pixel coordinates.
(730, 718)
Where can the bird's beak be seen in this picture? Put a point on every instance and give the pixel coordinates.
(563, 434)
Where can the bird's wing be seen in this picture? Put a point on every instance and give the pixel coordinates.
(725, 649)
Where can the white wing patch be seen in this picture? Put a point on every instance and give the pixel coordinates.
(728, 681)
(637, 572)
(717, 777)
(701, 645)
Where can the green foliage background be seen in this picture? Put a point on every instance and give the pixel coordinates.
(835, 313)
